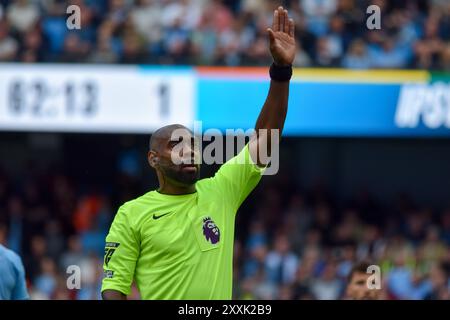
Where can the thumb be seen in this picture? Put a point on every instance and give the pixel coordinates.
(271, 34)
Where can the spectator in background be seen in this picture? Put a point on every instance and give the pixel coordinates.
(371, 244)
(388, 55)
(318, 13)
(46, 280)
(54, 239)
(109, 47)
(306, 39)
(403, 283)
(204, 41)
(325, 54)
(183, 12)
(55, 7)
(63, 200)
(87, 32)
(91, 278)
(428, 48)
(256, 261)
(117, 12)
(16, 224)
(302, 59)
(133, 51)
(33, 46)
(257, 235)
(146, 18)
(298, 220)
(347, 257)
(103, 52)
(444, 62)
(262, 288)
(61, 292)
(445, 225)
(55, 30)
(256, 54)
(245, 290)
(221, 16)
(303, 281)
(328, 286)
(440, 283)
(176, 43)
(358, 284)
(74, 253)
(347, 230)
(322, 221)
(22, 15)
(227, 33)
(93, 239)
(232, 42)
(352, 15)
(433, 248)
(357, 56)
(74, 50)
(337, 36)
(257, 8)
(403, 22)
(415, 228)
(281, 262)
(32, 259)
(8, 45)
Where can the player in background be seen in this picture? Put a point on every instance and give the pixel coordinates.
(12, 276)
(358, 287)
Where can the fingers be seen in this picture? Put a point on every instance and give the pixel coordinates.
(281, 21)
(276, 21)
(291, 27)
(286, 21)
(281, 16)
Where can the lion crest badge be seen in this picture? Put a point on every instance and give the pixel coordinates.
(211, 230)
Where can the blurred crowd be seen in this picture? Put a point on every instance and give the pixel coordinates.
(303, 244)
(291, 243)
(330, 33)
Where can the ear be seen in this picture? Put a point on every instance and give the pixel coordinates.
(153, 159)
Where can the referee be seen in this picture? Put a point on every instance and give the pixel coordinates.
(177, 242)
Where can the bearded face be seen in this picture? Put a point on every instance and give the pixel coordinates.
(181, 174)
(178, 157)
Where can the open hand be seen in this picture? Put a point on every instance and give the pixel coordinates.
(281, 37)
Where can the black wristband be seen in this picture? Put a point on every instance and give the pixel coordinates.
(280, 73)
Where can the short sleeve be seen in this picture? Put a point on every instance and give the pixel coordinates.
(238, 177)
(121, 253)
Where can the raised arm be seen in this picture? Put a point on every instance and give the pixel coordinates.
(273, 113)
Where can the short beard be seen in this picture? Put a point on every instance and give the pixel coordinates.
(182, 178)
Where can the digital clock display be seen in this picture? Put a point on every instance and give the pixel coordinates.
(75, 98)
(43, 99)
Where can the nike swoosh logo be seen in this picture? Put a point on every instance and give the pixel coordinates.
(160, 216)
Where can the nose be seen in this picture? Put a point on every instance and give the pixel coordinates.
(189, 152)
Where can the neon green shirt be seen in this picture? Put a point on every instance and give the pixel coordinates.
(180, 246)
